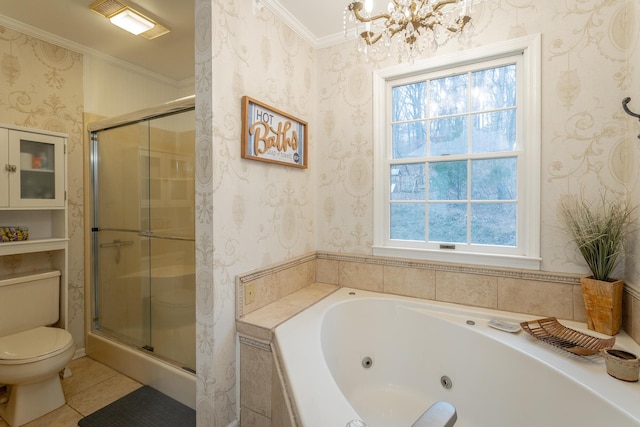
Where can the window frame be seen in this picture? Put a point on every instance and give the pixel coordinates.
(527, 255)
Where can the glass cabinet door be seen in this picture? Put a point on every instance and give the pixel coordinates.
(5, 168)
(38, 178)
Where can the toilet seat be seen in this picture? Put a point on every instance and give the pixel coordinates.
(34, 344)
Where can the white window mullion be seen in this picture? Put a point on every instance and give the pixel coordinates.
(525, 54)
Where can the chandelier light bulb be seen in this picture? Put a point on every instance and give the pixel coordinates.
(368, 6)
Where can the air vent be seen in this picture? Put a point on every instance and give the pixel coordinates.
(157, 31)
(107, 8)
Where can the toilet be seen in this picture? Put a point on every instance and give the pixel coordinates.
(32, 351)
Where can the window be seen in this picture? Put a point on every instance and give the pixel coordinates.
(457, 154)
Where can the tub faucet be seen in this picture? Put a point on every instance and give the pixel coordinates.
(440, 414)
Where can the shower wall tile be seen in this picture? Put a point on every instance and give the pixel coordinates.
(272, 315)
(265, 293)
(627, 313)
(536, 297)
(261, 390)
(279, 410)
(631, 316)
(273, 283)
(248, 418)
(503, 289)
(255, 379)
(522, 291)
(361, 275)
(327, 271)
(469, 289)
(295, 278)
(409, 281)
(579, 311)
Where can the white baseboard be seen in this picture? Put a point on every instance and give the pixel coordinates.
(80, 352)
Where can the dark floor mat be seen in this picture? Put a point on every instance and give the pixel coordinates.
(144, 407)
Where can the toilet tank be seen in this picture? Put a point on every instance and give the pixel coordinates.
(29, 300)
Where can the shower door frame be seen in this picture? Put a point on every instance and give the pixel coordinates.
(164, 110)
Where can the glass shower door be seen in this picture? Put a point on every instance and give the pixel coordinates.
(122, 287)
(144, 236)
(170, 221)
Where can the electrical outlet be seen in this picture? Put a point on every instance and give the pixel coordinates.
(249, 293)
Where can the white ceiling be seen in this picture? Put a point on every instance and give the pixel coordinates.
(71, 24)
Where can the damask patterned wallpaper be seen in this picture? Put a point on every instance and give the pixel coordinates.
(249, 213)
(586, 143)
(41, 87)
(253, 214)
(632, 89)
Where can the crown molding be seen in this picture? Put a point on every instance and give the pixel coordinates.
(84, 50)
(291, 21)
(285, 16)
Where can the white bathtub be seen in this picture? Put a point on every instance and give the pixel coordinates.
(499, 379)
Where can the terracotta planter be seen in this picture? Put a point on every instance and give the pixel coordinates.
(603, 301)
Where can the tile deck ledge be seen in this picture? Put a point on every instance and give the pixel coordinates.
(260, 324)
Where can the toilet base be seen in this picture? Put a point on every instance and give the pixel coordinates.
(30, 401)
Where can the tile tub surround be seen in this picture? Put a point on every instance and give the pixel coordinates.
(262, 396)
(285, 289)
(522, 291)
(274, 282)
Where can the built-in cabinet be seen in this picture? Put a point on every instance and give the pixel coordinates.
(34, 168)
(33, 196)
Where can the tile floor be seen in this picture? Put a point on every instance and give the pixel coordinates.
(91, 386)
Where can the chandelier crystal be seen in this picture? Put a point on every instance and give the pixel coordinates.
(408, 26)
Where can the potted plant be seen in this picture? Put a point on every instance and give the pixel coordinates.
(598, 230)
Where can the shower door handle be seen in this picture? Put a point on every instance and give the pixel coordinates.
(117, 244)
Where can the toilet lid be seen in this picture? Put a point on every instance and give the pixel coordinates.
(34, 343)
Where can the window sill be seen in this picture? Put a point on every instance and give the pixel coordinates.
(489, 260)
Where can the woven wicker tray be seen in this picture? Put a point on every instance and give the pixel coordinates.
(549, 330)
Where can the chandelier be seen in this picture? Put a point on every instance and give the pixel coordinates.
(409, 26)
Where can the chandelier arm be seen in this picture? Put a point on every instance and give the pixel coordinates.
(357, 6)
(404, 19)
(424, 22)
(465, 19)
(371, 18)
(367, 37)
(442, 4)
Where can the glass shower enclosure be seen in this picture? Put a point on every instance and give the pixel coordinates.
(143, 245)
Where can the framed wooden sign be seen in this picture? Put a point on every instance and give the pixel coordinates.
(270, 135)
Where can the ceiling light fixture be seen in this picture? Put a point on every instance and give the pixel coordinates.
(409, 26)
(128, 20)
(130, 17)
